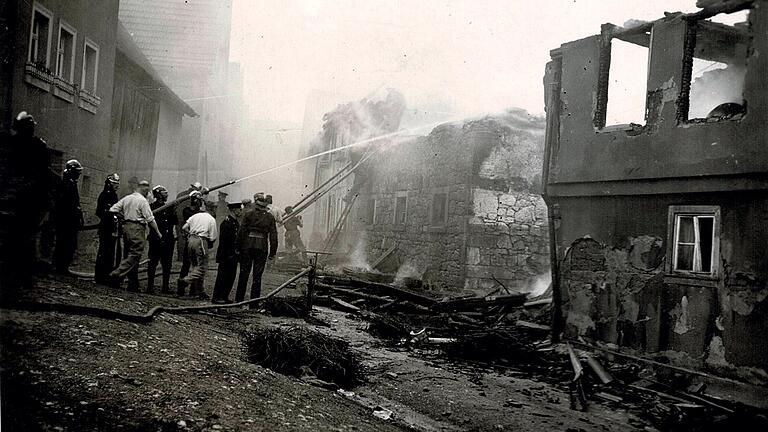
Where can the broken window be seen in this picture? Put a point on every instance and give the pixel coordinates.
(39, 37)
(695, 239)
(401, 208)
(439, 208)
(627, 82)
(720, 47)
(65, 53)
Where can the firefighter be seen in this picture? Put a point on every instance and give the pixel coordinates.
(108, 229)
(201, 231)
(195, 206)
(161, 250)
(29, 175)
(226, 254)
(196, 186)
(293, 242)
(69, 217)
(135, 214)
(257, 241)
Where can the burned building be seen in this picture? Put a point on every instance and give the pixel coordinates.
(459, 207)
(658, 218)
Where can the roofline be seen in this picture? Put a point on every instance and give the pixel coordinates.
(127, 46)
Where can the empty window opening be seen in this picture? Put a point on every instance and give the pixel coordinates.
(401, 209)
(719, 67)
(439, 208)
(65, 53)
(39, 37)
(627, 83)
(90, 67)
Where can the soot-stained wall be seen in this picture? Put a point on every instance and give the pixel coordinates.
(611, 190)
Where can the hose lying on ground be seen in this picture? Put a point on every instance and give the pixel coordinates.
(149, 316)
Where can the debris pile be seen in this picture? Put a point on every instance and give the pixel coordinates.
(303, 353)
(494, 326)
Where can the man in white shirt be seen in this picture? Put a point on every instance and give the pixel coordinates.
(135, 214)
(201, 228)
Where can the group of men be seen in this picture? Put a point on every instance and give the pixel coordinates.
(247, 239)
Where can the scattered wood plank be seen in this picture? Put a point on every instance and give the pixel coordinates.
(534, 326)
(474, 303)
(384, 256)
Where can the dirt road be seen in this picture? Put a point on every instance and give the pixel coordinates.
(188, 372)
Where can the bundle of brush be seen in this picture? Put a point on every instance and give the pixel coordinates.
(294, 307)
(502, 343)
(287, 349)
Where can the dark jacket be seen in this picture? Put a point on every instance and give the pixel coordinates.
(227, 249)
(69, 215)
(258, 231)
(108, 223)
(166, 223)
(179, 210)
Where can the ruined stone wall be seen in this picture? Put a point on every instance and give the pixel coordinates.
(496, 221)
(508, 240)
(615, 287)
(433, 251)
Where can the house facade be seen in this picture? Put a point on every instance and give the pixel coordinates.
(658, 223)
(460, 208)
(61, 71)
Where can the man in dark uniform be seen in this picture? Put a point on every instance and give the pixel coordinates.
(195, 206)
(68, 217)
(257, 242)
(161, 250)
(108, 227)
(226, 254)
(30, 181)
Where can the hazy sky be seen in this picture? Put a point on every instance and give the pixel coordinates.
(476, 56)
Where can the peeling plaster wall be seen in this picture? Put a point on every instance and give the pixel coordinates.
(610, 191)
(496, 221)
(614, 287)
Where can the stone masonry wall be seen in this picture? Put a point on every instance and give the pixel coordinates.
(508, 240)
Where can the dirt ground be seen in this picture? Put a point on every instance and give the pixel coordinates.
(188, 372)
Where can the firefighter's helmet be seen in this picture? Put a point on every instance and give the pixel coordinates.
(113, 179)
(73, 165)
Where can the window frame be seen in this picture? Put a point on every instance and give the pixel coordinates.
(38, 8)
(600, 118)
(401, 194)
(444, 221)
(93, 45)
(673, 229)
(63, 25)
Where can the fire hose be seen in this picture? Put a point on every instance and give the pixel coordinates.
(153, 312)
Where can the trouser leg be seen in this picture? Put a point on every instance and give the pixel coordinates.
(259, 263)
(166, 260)
(198, 256)
(105, 257)
(225, 278)
(66, 245)
(134, 238)
(154, 260)
(246, 262)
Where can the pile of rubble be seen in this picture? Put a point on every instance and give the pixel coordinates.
(503, 329)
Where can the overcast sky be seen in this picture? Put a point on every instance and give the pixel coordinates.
(474, 56)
